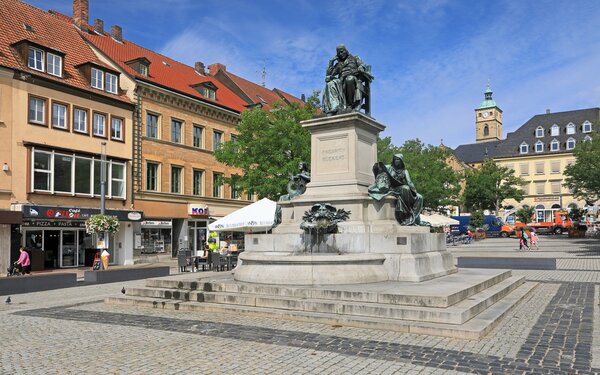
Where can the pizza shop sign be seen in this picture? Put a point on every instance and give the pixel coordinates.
(197, 210)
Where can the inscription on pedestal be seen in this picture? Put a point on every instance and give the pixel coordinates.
(400, 240)
(333, 155)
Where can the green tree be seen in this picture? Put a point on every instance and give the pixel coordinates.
(434, 179)
(385, 149)
(477, 219)
(487, 187)
(268, 148)
(524, 214)
(583, 177)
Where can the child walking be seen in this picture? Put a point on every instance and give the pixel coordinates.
(534, 239)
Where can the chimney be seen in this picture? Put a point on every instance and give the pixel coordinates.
(214, 68)
(303, 98)
(200, 68)
(116, 32)
(80, 14)
(547, 110)
(99, 26)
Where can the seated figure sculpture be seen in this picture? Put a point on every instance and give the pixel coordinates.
(395, 180)
(346, 84)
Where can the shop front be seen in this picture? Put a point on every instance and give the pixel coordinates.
(156, 236)
(197, 227)
(56, 236)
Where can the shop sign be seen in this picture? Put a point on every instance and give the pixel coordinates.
(54, 223)
(197, 210)
(156, 223)
(76, 213)
(545, 199)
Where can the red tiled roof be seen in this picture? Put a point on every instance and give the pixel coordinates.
(48, 31)
(256, 92)
(289, 97)
(163, 70)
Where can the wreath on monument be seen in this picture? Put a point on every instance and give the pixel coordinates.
(102, 223)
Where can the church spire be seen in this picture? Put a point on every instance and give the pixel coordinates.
(488, 102)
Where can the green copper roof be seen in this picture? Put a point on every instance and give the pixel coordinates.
(488, 102)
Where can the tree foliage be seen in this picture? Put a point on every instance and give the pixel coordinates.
(385, 149)
(524, 214)
(583, 177)
(488, 186)
(268, 148)
(477, 219)
(434, 179)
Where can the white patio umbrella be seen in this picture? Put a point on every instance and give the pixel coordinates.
(257, 217)
(437, 220)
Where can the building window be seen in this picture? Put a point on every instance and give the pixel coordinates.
(76, 174)
(111, 83)
(486, 131)
(235, 190)
(539, 132)
(555, 186)
(217, 139)
(151, 176)
(539, 146)
(555, 166)
(587, 127)
(144, 70)
(176, 179)
(116, 128)
(510, 167)
(525, 189)
(555, 145)
(59, 116)
(36, 59)
(571, 143)
(80, 120)
(176, 131)
(151, 125)
(524, 148)
(208, 93)
(54, 64)
(587, 138)
(42, 171)
(571, 128)
(539, 167)
(249, 195)
(37, 110)
(234, 138)
(99, 125)
(217, 185)
(198, 136)
(554, 130)
(197, 182)
(524, 169)
(97, 79)
(540, 188)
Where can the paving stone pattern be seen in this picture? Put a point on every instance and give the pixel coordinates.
(559, 342)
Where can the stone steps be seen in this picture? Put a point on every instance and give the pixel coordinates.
(475, 328)
(458, 313)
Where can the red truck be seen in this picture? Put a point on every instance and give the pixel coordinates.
(557, 226)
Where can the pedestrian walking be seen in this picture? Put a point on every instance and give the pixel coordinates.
(524, 238)
(534, 239)
(24, 261)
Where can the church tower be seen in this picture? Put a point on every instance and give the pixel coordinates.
(488, 119)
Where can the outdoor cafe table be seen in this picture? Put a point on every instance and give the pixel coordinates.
(231, 259)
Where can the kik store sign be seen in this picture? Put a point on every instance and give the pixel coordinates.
(197, 210)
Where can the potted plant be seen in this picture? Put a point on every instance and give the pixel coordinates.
(102, 223)
(577, 229)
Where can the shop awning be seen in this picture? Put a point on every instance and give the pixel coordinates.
(257, 217)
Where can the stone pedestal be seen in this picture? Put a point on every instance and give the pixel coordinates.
(343, 151)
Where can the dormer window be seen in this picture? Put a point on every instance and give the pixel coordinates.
(97, 79)
(43, 61)
(554, 145)
(36, 59)
(111, 83)
(206, 89)
(524, 148)
(587, 138)
(571, 143)
(587, 127)
(539, 146)
(554, 130)
(571, 128)
(539, 132)
(140, 65)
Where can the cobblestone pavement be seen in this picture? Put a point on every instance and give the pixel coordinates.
(71, 331)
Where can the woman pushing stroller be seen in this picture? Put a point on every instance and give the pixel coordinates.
(23, 264)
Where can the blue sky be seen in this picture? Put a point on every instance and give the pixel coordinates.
(431, 59)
